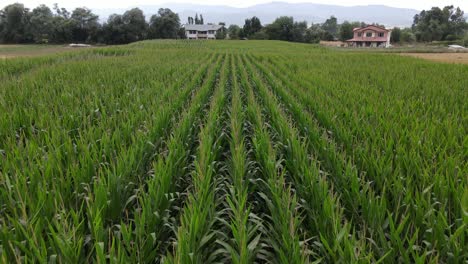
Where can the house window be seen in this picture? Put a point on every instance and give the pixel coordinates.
(369, 34)
(211, 32)
(192, 32)
(359, 34)
(381, 34)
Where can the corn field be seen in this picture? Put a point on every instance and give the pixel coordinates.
(232, 152)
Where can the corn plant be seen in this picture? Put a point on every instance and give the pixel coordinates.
(232, 152)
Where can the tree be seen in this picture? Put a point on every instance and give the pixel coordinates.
(165, 24)
(396, 35)
(252, 26)
(135, 25)
(14, 23)
(126, 28)
(407, 36)
(439, 24)
(62, 26)
(299, 31)
(331, 27)
(234, 31)
(197, 21)
(222, 32)
(346, 31)
(190, 20)
(457, 20)
(84, 25)
(41, 24)
(201, 20)
(314, 33)
(465, 40)
(114, 30)
(281, 29)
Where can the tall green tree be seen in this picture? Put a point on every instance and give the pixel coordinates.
(314, 33)
(346, 31)
(41, 24)
(281, 29)
(14, 24)
(407, 36)
(135, 25)
(165, 24)
(252, 26)
(330, 26)
(299, 31)
(222, 32)
(234, 32)
(396, 35)
(439, 24)
(62, 26)
(114, 30)
(85, 25)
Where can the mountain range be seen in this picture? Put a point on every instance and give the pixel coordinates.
(310, 12)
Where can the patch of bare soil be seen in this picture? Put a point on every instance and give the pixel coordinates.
(441, 57)
(332, 43)
(14, 51)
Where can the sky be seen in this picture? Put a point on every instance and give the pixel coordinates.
(416, 4)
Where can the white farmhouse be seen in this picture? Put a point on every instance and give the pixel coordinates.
(193, 31)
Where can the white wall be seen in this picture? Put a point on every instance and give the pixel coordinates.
(195, 36)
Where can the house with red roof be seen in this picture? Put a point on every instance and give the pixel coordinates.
(370, 36)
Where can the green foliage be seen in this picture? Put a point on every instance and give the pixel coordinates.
(252, 26)
(395, 35)
(232, 152)
(407, 36)
(164, 25)
(84, 25)
(41, 25)
(439, 24)
(330, 27)
(281, 29)
(14, 23)
(346, 31)
(196, 21)
(314, 34)
(465, 40)
(234, 32)
(126, 28)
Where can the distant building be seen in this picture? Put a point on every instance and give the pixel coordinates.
(370, 36)
(193, 31)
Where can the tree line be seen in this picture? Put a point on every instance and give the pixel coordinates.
(58, 25)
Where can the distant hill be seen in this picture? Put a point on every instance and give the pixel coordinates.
(389, 16)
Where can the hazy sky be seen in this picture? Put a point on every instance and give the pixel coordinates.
(416, 4)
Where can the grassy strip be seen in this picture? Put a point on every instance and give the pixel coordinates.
(284, 221)
(335, 240)
(195, 237)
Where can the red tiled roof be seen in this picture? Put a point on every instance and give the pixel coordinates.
(377, 28)
(376, 39)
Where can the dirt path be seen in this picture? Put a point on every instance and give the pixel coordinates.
(30, 50)
(441, 57)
